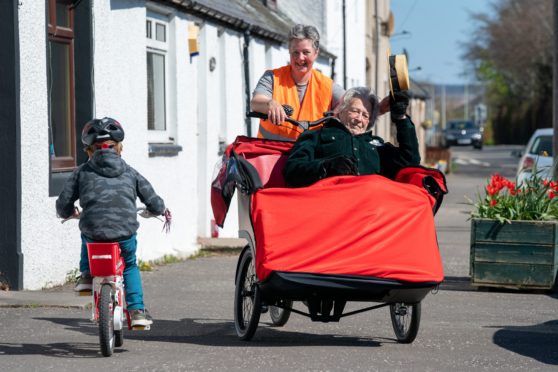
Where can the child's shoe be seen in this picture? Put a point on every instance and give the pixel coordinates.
(140, 318)
(84, 283)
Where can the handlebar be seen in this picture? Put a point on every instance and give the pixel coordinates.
(142, 211)
(304, 124)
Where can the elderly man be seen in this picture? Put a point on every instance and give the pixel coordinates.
(346, 146)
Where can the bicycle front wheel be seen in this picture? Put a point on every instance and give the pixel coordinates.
(247, 302)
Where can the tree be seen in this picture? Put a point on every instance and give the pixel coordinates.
(512, 52)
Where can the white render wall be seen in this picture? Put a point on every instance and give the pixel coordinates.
(355, 22)
(47, 246)
(51, 249)
(120, 92)
(203, 108)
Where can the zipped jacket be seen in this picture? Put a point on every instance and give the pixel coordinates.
(369, 153)
(107, 189)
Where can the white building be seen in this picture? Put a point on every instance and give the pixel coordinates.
(133, 60)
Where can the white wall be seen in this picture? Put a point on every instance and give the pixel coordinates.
(355, 12)
(45, 243)
(51, 249)
(204, 106)
(120, 91)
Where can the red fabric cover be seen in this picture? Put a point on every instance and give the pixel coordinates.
(270, 169)
(250, 147)
(267, 156)
(415, 175)
(219, 206)
(365, 225)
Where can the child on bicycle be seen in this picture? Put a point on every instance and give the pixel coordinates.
(107, 188)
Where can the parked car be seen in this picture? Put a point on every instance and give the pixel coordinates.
(463, 133)
(536, 155)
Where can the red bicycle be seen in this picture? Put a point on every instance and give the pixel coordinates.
(107, 268)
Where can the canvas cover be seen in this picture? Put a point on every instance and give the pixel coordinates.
(348, 225)
(365, 225)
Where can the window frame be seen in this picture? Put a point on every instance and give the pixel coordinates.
(161, 48)
(63, 35)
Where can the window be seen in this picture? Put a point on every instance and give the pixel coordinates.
(61, 84)
(542, 146)
(157, 70)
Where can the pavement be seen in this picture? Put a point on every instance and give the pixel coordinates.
(64, 296)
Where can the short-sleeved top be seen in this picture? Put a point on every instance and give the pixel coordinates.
(309, 102)
(265, 87)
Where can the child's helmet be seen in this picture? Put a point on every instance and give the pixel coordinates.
(98, 130)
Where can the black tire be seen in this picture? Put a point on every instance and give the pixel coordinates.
(405, 320)
(118, 338)
(247, 302)
(106, 321)
(279, 316)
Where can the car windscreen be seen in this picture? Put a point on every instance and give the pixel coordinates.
(542, 145)
(461, 125)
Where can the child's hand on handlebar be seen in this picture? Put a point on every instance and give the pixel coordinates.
(75, 215)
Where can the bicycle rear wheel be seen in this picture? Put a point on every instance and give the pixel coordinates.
(280, 316)
(405, 320)
(106, 320)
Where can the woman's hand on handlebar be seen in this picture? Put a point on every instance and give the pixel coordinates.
(276, 113)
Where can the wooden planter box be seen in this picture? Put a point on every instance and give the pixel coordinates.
(520, 255)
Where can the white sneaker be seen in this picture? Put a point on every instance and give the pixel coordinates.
(84, 283)
(140, 318)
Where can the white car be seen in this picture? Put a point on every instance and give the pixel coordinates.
(537, 155)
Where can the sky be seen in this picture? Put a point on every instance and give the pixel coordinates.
(435, 29)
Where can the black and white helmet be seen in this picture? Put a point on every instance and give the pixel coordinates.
(99, 130)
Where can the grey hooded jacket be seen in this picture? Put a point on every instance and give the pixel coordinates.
(107, 189)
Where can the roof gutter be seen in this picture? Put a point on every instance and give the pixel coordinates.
(203, 11)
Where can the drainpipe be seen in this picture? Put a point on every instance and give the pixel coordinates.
(344, 47)
(377, 47)
(246, 63)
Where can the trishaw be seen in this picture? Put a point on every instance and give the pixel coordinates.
(345, 238)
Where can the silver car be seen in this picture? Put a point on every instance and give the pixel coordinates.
(537, 155)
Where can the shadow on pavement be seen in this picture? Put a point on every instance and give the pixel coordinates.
(463, 283)
(60, 349)
(521, 340)
(208, 332)
(456, 283)
(57, 350)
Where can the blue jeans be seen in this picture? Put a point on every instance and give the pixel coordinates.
(132, 278)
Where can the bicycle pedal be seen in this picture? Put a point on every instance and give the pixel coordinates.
(141, 328)
(84, 293)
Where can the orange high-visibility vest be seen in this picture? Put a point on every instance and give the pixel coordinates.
(316, 101)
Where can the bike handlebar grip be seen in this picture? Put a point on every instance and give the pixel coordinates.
(258, 115)
(288, 110)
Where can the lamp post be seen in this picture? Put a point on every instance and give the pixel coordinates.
(555, 91)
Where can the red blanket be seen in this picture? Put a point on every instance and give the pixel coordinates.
(365, 225)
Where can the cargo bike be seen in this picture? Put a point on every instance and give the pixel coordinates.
(344, 238)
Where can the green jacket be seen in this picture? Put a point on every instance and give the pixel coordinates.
(370, 154)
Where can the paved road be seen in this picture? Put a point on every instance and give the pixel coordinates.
(461, 329)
